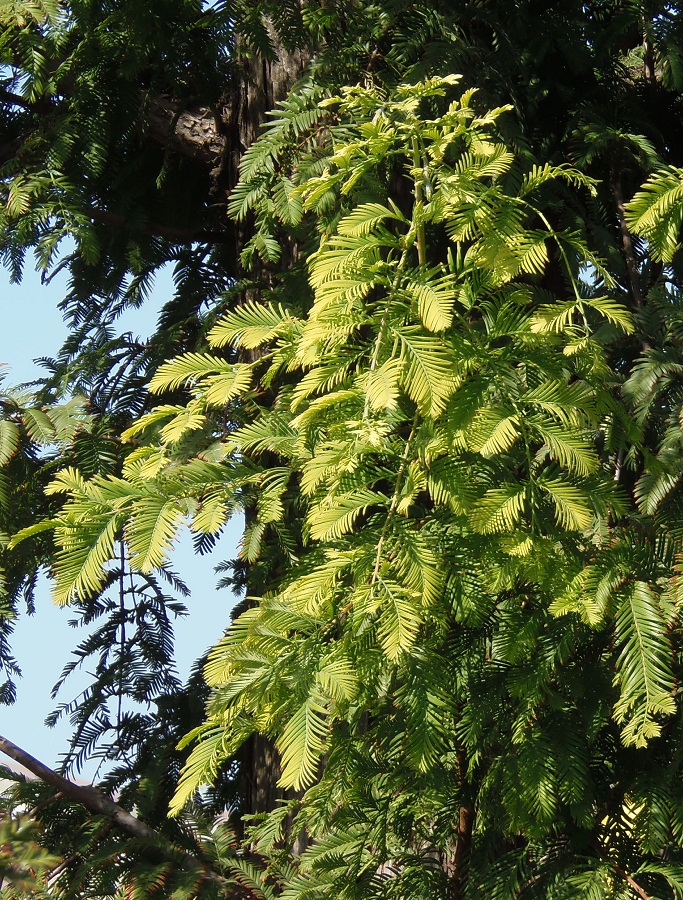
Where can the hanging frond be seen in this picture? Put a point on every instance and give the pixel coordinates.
(188, 369)
(151, 531)
(9, 440)
(399, 618)
(572, 509)
(302, 743)
(500, 509)
(334, 518)
(428, 373)
(251, 325)
(644, 673)
(656, 212)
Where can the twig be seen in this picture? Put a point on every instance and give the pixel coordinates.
(41, 806)
(622, 873)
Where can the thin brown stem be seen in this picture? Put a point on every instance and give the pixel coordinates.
(622, 873)
(41, 806)
(627, 242)
(53, 874)
(419, 203)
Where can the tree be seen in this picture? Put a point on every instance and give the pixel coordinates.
(447, 398)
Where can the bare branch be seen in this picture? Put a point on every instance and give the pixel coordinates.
(97, 802)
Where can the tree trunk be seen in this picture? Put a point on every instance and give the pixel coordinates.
(259, 775)
(455, 862)
(261, 86)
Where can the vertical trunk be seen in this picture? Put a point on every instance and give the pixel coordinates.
(259, 775)
(262, 84)
(631, 263)
(649, 65)
(456, 862)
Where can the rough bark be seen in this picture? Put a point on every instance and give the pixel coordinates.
(262, 84)
(259, 775)
(194, 133)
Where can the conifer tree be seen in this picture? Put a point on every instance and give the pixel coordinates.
(427, 339)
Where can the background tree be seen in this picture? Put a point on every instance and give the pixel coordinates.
(107, 141)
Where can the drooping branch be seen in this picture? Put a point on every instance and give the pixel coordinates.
(98, 803)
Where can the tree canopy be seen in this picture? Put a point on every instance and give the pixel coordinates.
(425, 338)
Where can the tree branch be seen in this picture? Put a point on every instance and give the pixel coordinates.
(622, 873)
(627, 242)
(98, 803)
(194, 133)
(13, 99)
(179, 235)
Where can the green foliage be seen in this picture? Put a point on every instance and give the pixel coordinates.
(655, 212)
(447, 398)
(23, 862)
(460, 624)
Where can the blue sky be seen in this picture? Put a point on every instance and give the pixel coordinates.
(32, 327)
